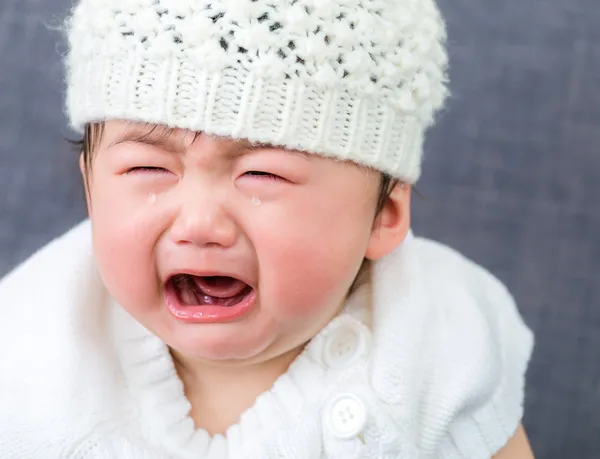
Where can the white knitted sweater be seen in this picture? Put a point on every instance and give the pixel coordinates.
(436, 371)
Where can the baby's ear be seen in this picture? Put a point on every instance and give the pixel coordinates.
(392, 224)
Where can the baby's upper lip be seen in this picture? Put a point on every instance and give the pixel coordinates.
(236, 274)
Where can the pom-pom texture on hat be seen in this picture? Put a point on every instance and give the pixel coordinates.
(357, 80)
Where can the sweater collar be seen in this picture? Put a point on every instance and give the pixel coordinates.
(164, 410)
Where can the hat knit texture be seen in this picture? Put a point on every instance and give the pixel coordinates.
(357, 80)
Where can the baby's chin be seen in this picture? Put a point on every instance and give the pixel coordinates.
(223, 344)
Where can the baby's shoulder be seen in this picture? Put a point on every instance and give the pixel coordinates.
(450, 339)
(471, 312)
(39, 297)
(446, 267)
(47, 270)
(53, 362)
(461, 287)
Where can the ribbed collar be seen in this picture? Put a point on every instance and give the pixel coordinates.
(281, 421)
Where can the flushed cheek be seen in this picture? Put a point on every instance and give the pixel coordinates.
(126, 268)
(305, 283)
(123, 243)
(306, 269)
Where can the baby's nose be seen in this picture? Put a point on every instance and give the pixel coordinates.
(204, 221)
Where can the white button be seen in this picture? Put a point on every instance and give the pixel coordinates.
(346, 345)
(346, 416)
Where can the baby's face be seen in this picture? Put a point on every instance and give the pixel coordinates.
(224, 250)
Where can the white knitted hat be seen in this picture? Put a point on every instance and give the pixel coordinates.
(357, 80)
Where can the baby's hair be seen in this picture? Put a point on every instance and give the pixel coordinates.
(93, 134)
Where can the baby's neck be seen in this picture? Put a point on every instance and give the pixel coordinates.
(220, 394)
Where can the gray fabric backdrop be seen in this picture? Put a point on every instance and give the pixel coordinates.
(512, 177)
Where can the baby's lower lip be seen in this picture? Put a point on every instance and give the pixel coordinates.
(206, 314)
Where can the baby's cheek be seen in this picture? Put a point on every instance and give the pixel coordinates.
(126, 265)
(308, 283)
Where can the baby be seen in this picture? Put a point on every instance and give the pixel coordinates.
(247, 285)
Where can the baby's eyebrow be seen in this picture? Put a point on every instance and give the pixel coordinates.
(303, 154)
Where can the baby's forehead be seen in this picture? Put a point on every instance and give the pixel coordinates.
(119, 130)
(178, 139)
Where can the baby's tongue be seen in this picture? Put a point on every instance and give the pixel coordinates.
(219, 286)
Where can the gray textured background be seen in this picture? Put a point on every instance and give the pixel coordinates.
(512, 177)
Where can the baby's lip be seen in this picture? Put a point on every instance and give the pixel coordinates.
(243, 277)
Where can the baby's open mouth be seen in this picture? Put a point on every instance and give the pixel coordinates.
(209, 290)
